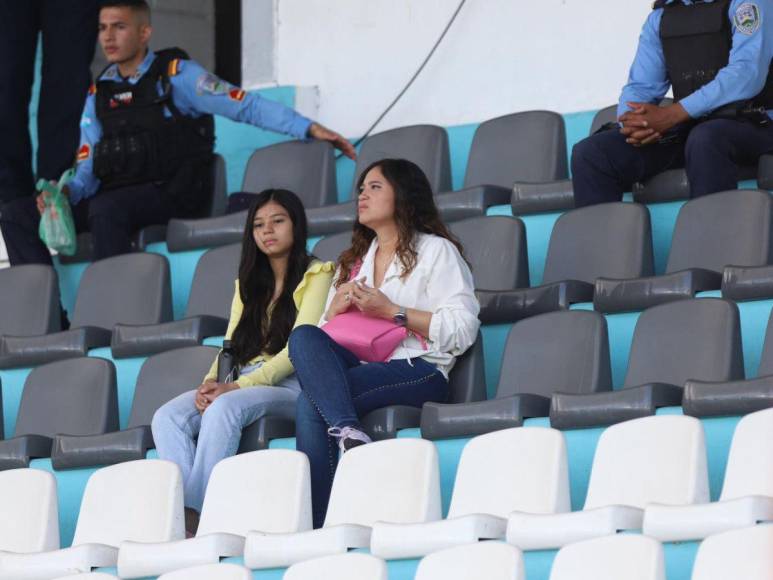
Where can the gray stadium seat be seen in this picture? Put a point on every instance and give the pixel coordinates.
(305, 168)
(157, 233)
(711, 232)
(76, 396)
(207, 313)
(466, 384)
(611, 239)
(161, 378)
(130, 289)
(527, 147)
(765, 172)
(425, 145)
(329, 248)
(30, 301)
(737, 397)
(554, 351)
(697, 339)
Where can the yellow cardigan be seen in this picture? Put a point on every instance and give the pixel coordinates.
(309, 297)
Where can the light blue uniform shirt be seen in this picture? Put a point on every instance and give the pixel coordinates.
(195, 92)
(742, 78)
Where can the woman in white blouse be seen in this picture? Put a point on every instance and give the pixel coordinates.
(405, 267)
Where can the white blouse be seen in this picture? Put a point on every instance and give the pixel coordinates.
(441, 283)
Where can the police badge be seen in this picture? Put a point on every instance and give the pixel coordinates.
(747, 18)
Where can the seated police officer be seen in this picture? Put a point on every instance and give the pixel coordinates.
(716, 56)
(147, 138)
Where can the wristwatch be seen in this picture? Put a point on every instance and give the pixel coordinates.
(401, 318)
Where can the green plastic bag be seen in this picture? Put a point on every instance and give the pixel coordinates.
(57, 228)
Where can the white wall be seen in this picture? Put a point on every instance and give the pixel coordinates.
(500, 56)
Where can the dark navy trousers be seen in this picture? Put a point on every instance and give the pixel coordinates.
(68, 29)
(604, 166)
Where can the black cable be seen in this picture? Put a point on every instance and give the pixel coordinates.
(412, 79)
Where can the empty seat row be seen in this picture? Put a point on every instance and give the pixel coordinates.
(386, 497)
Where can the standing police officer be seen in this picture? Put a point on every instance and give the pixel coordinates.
(147, 137)
(716, 56)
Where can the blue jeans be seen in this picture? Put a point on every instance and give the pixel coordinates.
(178, 423)
(337, 390)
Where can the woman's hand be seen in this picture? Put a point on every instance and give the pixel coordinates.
(341, 302)
(373, 302)
(209, 391)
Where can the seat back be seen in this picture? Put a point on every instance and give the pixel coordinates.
(29, 505)
(210, 572)
(139, 501)
(30, 298)
(467, 379)
(696, 339)
(528, 146)
(744, 553)
(393, 481)
(495, 247)
(750, 461)
(213, 282)
(611, 558)
(307, 168)
(164, 376)
(731, 228)
(660, 459)
(330, 248)
(602, 117)
(489, 560)
(127, 289)
(612, 240)
(340, 567)
(521, 469)
(274, 495)
(219, 186)
(766, 360)
(74, 397)
(425, 145)
(559, 351)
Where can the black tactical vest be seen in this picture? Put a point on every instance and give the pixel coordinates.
(696, 40)
(140, 143)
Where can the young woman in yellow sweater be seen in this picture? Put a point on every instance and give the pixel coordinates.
(280, 286)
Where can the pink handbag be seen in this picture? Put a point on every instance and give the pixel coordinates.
(369, 339)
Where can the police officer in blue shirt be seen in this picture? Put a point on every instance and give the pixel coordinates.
(147, 138)
(716, 56)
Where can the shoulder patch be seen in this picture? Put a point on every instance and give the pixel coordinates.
(209, 83)
(747, 18)
(174, 67)
(83, 153)
(237, 94)
(93, 90)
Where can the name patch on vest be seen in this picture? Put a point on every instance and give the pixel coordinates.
(747, 18)
(121, 99)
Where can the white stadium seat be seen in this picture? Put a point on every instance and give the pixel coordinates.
(520, 469)
(744, 554)
(489, 560)
(210, 572)
(394, 481)
(139, 500)
(660, 459)
(629, 557)
(339, 567)
(747, 493)
(29, 508)
(89, 576)
(265, 490)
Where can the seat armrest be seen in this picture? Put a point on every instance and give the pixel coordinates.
(747, 282)
(29, 351)
(259, 434)
(548, 196)
(183, 235)
(670, 185)
(331, 219)
(470, 201)
(17, 452)
(714, 399)
(513, 305)
(135, 340)
(384, 423)
(70, 451)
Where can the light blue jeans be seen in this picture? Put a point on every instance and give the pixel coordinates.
(177, 424)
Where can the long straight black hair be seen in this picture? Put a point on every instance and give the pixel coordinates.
(257, 332)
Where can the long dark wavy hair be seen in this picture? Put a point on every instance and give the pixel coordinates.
(257, 333)
(415, 212)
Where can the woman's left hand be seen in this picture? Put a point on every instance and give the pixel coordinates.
(372, 302)
(208, 392)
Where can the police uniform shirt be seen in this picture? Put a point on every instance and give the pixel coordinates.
(195, 92)
(742, 78)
